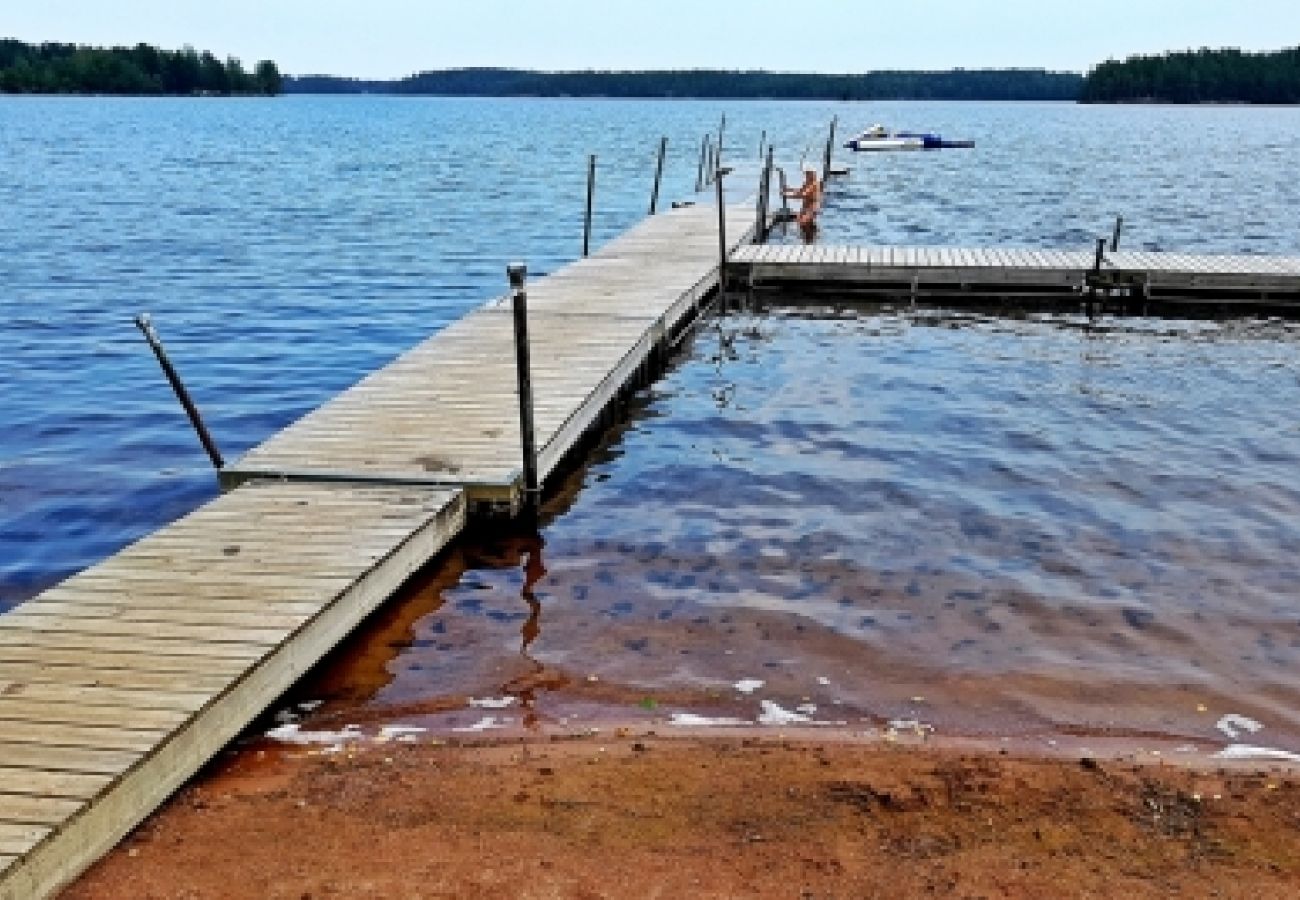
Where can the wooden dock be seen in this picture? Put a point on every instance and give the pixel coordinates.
(951, 273)
(446, 414)
(118, 684)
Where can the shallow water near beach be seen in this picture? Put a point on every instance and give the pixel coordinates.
(867, 516)
(875, 521)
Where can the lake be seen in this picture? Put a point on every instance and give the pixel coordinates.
(1037, 506)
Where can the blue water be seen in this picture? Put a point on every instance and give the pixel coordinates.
(287, 247)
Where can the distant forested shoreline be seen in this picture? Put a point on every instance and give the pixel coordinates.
(1193, 76)
(142, 69)
(958, 84)
(1201, 76)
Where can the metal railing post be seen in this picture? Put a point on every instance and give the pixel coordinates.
(722, 239)
(659, 175)
(591, 191)
(518, 274)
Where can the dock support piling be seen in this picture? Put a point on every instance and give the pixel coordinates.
(145, 325)
(762, 145)
(764, 199)
(591, 192)
(659, 175)
(704, 152)
(518, 274)
(1119, 229)
(1101, 256)
(830, 149)
(722, 239)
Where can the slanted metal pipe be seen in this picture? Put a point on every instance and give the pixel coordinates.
(145, 324)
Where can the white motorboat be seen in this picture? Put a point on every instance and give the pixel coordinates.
(878, 137)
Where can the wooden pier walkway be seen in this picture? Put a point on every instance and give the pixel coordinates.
(446, 412)
(118, 684)
(982, 272)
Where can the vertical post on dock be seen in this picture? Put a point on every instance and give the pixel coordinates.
(1101, 255)
(591, 191)
(722, 128)
(830, 149)
(722, 240)
(517, 273)
(704, 151)
(659, 175)
(145, 325)
(1119, 229)
(764, 199)
(762, 145)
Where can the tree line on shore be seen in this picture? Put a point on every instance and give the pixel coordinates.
(958, 84)
(1201, 76)
(142, 69)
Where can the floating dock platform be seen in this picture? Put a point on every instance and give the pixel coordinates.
(952, 275)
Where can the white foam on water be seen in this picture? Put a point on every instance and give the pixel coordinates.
(808, 709)
(774, 714)
(404, 733)
(493, 702)
(1232, 725)
(1246, 751)
(487, 723)
(292, 733)
(748, 685)
(691, 720)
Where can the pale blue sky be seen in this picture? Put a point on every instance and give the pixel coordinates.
(387, 38)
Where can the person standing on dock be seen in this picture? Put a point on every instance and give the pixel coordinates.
(810, 192)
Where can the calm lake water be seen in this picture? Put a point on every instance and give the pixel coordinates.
(1022, 515)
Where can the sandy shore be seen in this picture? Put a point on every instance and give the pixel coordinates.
(637, 815)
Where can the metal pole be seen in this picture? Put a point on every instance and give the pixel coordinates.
(785, 201)
(764, 200)
(1101, 255)
(591, 191)
(830, 148)
(762, 145)
(518, 273)
(1119, 229)
(711, 164)
(722, 240)
(146, 327)
(704, 149)
(659, 175)
(722, 128)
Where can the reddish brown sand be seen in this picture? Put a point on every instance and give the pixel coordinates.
(645, 816)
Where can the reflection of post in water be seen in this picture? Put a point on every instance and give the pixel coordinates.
(526, 686)
(534, 571)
